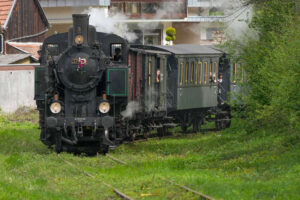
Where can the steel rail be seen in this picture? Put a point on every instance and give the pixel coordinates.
(203, 196)
(118, 192)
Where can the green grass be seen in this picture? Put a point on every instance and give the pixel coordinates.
(227, 165)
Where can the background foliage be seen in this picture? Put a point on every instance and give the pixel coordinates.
(271, 59)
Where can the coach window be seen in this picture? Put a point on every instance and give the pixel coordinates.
(216, 72)
(205, 75)
(149, 71)
(186, 73)
(201, 72)
(242, 71)
(181, 73)
(234, 75)
(196, 73)
(116, 52)
(192, 72)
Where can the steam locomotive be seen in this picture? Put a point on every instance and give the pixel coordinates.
(93, 90)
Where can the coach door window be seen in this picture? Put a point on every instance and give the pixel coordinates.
(186, 73)
(201, 72)
(116, 52)
(181, 73)
(205, 78)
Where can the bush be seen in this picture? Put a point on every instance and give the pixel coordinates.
(273, 66)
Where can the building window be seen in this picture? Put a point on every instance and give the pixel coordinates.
(187, 73)
(1, 43)
(151, 38)
(149, 8)
(132, 8)
(211, 32)
(117, 8)
(181, 73)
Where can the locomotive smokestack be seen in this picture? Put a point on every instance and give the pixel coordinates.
(80, 30)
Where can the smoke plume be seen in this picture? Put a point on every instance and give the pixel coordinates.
(112, 24)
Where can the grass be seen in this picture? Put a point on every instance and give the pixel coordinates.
(228, 165)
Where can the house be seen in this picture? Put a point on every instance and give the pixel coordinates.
(22, 21)
(196, 21)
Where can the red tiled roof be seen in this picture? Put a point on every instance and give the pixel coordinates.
(30, 47)
(5, 6)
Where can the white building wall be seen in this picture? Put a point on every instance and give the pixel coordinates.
(16, 89)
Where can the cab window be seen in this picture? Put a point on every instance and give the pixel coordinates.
(52, 50)
(116, 52)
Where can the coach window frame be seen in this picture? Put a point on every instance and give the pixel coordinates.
(196, 71)
(206, 71)
(181, 63)
(216, 70)
(192, 74)
(187, 72)
(200, 71)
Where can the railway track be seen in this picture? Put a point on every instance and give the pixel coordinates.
(141, 138)
(202, 196)
(116, 191)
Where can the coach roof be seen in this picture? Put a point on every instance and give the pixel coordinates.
(183, 49)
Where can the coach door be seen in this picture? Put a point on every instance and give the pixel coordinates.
(150, 78)
(161, 79)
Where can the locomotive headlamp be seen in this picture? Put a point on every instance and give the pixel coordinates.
(104, 107)
(79, 39)
(55, 107)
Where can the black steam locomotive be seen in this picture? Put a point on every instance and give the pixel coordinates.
(93, 90)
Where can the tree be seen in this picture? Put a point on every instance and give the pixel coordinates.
(171, 32)
(272, 62)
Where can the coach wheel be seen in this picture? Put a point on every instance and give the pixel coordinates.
(196, 126)
(227, 121)
(46, 138)
(162, 131)
(184, 127)
(146, 133)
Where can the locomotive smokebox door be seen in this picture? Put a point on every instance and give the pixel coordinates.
(117, 81)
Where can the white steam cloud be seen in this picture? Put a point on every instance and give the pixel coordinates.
(131, 108)
(112, 24)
